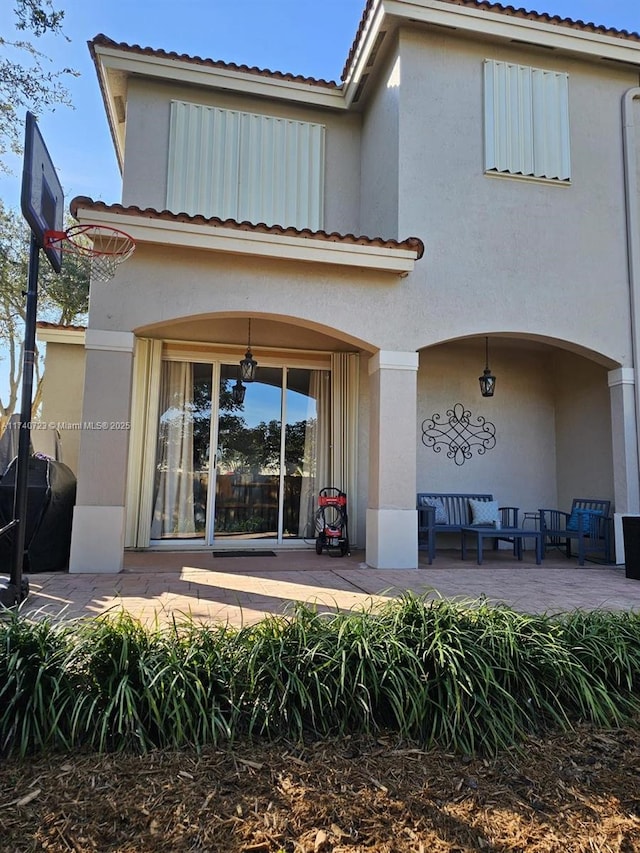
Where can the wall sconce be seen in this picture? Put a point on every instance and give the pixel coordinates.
(487, 380)
(248, 364)
(237, 393)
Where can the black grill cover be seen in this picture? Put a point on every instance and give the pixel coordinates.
(51, 495)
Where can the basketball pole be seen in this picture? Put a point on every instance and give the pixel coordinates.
(42, 202)
(19, 587)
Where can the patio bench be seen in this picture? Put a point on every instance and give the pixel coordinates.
(588, 523)
(440, 512)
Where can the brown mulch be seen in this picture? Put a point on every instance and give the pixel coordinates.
(569, 793)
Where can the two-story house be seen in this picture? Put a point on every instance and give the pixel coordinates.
(466, 197)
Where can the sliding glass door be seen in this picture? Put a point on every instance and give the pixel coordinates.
(262, 480)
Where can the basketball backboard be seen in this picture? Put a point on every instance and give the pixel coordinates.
(42, 196)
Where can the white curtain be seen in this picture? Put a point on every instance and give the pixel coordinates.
(345, 367)
(316, 451)
(147, 369)
(173, 506)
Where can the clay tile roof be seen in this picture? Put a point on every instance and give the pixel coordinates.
(105, 41)
(413, 244)
(485, 5)
(525, 14)
(44, 324)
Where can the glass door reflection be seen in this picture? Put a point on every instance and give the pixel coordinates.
(248, 456)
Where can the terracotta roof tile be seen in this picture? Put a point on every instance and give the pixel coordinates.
(105, 41)
(44, 324)
(513, 11)
(356, 40)
(413, 244)
(546, 18)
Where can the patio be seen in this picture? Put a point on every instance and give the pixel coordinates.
(161, 585)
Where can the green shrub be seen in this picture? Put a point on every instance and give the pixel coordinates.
(468, 677)
(37, 689)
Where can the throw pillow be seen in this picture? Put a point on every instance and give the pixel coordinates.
(485, 513)
(441, 512)
(574, 520)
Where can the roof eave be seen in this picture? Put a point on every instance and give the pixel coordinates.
(116, 63)
(108, 99)
(196, 232)
(54, 333)
(383, 17)
(589, 41)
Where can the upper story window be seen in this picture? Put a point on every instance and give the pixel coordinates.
(242, 166)
(526, 121)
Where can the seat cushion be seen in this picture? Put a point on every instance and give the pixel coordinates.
(484, 513)
(441, 513)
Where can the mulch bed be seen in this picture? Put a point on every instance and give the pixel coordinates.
(569, 793)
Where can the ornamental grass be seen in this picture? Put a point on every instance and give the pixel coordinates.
(468, 677)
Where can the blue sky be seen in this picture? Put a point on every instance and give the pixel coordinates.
(310, 37)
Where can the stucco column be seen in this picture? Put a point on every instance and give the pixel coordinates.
(392, 520)
(625, 450)
(97, 539)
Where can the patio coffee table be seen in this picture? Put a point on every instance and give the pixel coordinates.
(515, 533)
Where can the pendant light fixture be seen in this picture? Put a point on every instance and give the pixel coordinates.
(248, 364)
(487, 380)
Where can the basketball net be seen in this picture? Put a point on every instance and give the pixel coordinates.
(103, 247)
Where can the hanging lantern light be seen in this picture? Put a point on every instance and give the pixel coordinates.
(248, 364)
(487, 380)
(237, 393)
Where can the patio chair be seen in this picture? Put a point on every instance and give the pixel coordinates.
(588, 524)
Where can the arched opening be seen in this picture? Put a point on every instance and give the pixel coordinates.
(210, 467)
(550, 421)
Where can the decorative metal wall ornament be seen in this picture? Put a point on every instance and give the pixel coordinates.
(458, 435)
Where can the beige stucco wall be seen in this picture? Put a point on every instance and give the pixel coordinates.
(160, 284)
(521, 469)
(357, 522)
(380, 154)
(103, 451)
(504, 254)
(62, 391)
(583, 428)
(145, 172)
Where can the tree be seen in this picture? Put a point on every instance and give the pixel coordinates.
(62, 299)
(258, 448)
(25, 81)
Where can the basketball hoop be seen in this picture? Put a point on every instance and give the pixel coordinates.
(104, 247)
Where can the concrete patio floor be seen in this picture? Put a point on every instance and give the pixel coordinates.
(158, 586)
